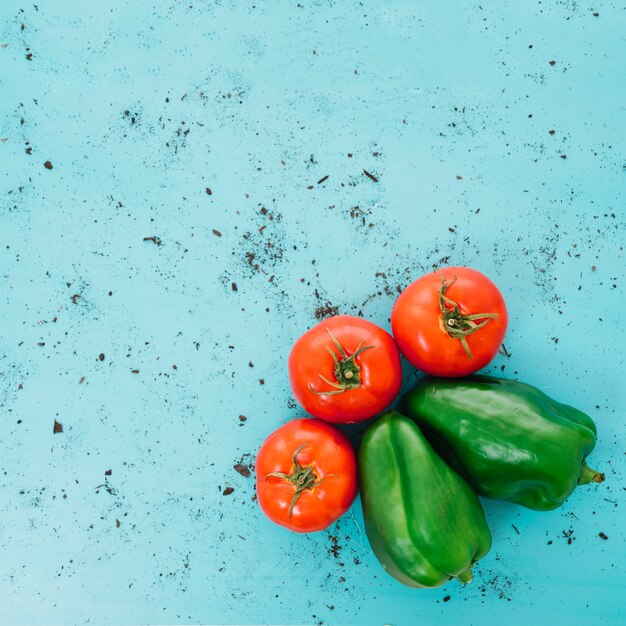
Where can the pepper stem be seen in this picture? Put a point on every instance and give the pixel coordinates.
(589, 475)
(347, 372)
(456, 324)
(465, 576)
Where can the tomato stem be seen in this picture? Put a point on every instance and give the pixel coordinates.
(302, 478)
(456, 324)
(347, 372)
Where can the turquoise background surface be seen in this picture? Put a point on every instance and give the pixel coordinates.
(206, 126)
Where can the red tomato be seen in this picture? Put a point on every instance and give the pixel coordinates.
(450, 322)
(306, 476)
(345, 369)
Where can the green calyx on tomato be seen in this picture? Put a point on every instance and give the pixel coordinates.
(347, 372)
(455, 323)
(302, 478)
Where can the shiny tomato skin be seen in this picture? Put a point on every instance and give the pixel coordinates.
(418, 331)
(333, 459)
(380, 375)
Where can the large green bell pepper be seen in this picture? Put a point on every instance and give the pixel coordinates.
(423, 521)
(508, 439)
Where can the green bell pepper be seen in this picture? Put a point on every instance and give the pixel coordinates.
(423, 521)
(508, 439)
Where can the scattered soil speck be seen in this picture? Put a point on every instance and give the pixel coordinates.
(602, 536)
(154, 239)
(242, 469)
(227, 491)
(57, 428)
(370, 176)
(217, 233)
(327, 310)
(48, 165)
(101, 356)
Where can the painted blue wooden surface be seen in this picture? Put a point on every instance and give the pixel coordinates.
(206, 126)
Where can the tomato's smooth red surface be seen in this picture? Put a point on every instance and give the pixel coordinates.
(381, 370)
(330, 453)
(418, 331)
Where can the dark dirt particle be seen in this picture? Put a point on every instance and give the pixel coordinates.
(208, 191)
(459, 177)
(261, 381)
(309, 187)
(75, 298)
(233, 286)
(29, 150)
(48, 165)
(29, 56)
(603, 536)
(57, 428)
(564, 156)
(117, 523)
(596, 14)
(217, 233)
(370, 176)
(324, 178)
(446, 598)
(243, 418)
(101, 356)
(242, 469)
(327, 310)
(154, 239)
(41, 343)
(108, 472)
(515, 528)
(134, 371)
(227, 491)
(553, 63)
(552, 132)
(82, 380)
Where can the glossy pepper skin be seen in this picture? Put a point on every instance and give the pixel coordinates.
(423, 521)
(508, 439)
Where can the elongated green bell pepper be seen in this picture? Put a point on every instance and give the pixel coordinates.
(508, 439)
(423, 521)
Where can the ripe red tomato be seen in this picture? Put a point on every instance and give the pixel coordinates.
(306, 475)
(450, 322)
(345, 369)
